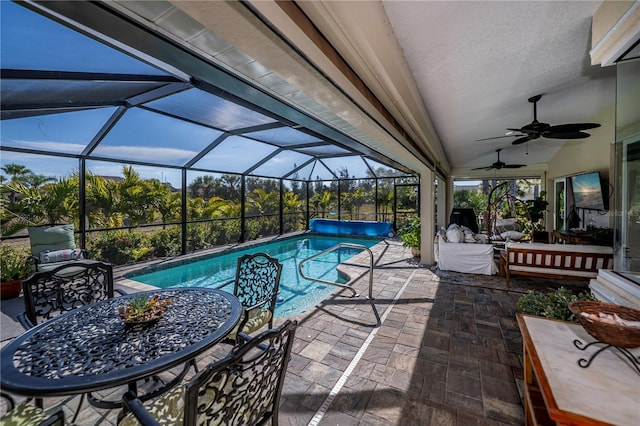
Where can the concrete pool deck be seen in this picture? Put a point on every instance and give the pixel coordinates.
(448, 350)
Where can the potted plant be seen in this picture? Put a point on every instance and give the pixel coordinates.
(536, 209)
(553, 304)
(410, 236)
(14, 266)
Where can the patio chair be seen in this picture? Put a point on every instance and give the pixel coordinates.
(64, 288)
(68, 286)
(256, 285)
(242, 389)
(54, 245)
(26, 414)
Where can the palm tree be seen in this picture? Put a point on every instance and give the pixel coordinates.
(59, 201)
(36, 181)
(263, 202)
(358, 199)
(18, 173)
(102, 201)
(203, 187)
(322, 201)
(164, 201)
(291, 204)
(134, 197)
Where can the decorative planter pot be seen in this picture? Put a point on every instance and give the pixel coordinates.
(10, 289)
(415, 252)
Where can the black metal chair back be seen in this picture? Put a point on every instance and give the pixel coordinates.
(242, 389)
(67, 287)
(257, 283)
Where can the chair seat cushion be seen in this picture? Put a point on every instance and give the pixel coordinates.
(167, 410)
(23, 414)
(257, 318)
(67, 271)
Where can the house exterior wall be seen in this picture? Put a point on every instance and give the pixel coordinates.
(595, 153)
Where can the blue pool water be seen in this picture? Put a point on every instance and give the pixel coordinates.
(296, 294)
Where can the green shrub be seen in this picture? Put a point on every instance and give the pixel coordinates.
(14, 262)
(166, 242)
(121, 247)
(410, 234)
(553, 304)
(196, 236)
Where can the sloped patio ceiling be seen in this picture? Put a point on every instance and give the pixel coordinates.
(72, 95)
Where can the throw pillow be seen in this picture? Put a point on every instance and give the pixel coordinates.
(443, 234)
(512, 235)
(469, 238)
(60, 255)
(505, 225)
(455, 234)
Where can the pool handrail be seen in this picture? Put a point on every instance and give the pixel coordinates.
(333, 248)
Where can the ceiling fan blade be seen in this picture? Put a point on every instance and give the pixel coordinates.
(483, 168)
(568, 135)
(514, 166)
(570, 128)
(500, 137)
(522, 140)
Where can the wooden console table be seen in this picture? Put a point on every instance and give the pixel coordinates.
(560, 392)
(572, 237)
(597, 236)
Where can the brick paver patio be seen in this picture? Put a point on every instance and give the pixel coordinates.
(444, 354)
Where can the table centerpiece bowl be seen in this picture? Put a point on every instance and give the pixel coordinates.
(609, 323)
(143, 309)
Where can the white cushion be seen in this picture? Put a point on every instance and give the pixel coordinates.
(468, 258)
(455, 235)
(512, 235)
(60, 255)
(508, 224)
(561, 247)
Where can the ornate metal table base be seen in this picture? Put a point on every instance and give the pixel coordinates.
(584, 362)
(157, 390)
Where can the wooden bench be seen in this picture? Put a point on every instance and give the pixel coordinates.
(559, 261)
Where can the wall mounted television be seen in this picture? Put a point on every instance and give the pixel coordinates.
(587, 191)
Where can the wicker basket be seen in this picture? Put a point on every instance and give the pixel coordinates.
(613, 334)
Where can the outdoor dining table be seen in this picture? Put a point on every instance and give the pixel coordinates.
(91, 348)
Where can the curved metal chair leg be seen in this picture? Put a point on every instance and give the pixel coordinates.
(75, 416)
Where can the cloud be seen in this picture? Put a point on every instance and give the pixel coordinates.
(50, 146)
(150, 154)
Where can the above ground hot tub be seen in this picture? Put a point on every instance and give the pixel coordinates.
(351, 227)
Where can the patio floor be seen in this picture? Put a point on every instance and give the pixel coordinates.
(448, 351)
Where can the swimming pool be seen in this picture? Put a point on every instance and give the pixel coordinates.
(296, 294)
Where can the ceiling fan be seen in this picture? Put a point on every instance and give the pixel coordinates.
(536, 129)
(500, 164)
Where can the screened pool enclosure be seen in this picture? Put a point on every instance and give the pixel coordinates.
(149, 156)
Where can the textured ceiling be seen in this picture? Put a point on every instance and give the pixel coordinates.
(476, 63)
